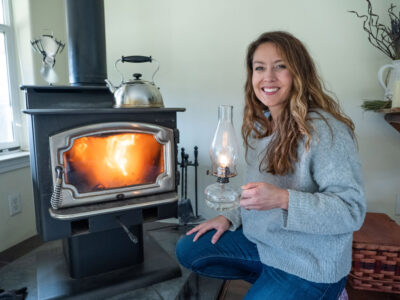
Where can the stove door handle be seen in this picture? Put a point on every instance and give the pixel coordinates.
(56, 196)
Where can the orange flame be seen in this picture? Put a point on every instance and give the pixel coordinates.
(118, 160)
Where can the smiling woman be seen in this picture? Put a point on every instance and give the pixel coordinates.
(303, 195)
(9, 110)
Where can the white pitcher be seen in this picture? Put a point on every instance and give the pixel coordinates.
(392, 89)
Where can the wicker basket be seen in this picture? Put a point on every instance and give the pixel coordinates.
(376, 255)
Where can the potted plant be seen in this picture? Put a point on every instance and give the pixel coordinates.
(386, 38)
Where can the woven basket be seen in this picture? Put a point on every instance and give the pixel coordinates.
(376, 255)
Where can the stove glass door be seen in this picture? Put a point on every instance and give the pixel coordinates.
(112, 161)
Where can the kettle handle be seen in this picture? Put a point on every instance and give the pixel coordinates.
(136, 59)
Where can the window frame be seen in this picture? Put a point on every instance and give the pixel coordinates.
(12, 71)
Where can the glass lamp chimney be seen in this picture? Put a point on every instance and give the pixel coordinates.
(224, 147)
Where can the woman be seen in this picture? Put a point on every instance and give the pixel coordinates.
(292, 235)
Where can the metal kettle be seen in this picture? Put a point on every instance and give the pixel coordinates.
(136, 92)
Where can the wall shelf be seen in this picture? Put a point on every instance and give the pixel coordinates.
(392, 116)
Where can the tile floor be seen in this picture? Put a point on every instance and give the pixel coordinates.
(22, 273)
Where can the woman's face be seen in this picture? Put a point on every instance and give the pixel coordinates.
(272, 81)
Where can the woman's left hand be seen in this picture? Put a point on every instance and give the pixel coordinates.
(263, 196)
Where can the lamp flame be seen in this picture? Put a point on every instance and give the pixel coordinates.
(224, 160)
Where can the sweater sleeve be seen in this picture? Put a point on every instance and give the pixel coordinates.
(338, 206)
(234, 217)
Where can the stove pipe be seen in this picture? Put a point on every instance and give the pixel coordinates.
(86, 42)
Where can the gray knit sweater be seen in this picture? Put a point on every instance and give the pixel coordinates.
(313, 238)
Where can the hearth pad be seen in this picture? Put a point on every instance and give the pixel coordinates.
(54, 282)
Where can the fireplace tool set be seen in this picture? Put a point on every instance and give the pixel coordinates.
(185, 209)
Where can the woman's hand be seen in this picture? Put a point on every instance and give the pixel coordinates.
(220, 223)
(263, 196)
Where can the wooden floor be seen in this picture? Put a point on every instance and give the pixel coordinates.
(236, 289)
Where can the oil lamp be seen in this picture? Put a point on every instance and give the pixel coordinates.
(224, 155)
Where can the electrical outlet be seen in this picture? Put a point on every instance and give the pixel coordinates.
(14, 204)
(398, 204)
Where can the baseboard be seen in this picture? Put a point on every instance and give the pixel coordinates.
(9, 255)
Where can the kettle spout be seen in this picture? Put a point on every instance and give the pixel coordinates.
(110, 86)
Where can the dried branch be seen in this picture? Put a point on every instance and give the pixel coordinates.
(384, 38)
(395, 33)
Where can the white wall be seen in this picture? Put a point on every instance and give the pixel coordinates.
(46, 17)
(21, 226)
(201, 46)
(31, 18)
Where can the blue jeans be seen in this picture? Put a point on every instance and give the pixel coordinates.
(235, 257)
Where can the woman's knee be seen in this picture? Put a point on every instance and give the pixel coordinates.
(188, 251)
(184, 250)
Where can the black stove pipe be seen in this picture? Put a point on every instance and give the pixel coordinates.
(86, 42)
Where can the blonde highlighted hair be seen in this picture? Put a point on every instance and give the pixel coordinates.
(307, 94)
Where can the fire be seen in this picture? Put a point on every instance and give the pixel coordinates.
(118, 160)
(117, 152)
(223, 160)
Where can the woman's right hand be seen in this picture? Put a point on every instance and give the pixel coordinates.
(219, 223)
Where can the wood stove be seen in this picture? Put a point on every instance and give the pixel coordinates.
(99, 173)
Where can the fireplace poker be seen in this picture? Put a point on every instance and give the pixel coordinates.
(196, 163)
(182, 169)
(186, 165)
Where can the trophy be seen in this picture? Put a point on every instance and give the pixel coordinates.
(48, 47)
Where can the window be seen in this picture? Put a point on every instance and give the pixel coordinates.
(9, 106)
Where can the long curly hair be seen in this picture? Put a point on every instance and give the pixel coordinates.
(307, 94)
